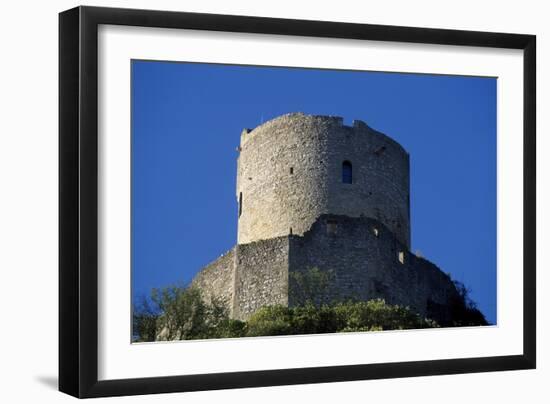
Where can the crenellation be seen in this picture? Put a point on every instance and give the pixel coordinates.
(337, 120)
(358, 124)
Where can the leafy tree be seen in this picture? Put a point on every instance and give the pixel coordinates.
(186, 315)
(183, 313)
(464, 311)
(144, 320)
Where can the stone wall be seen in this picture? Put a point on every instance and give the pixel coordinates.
(248, 277)
(218, 278)
(380, 187)
(261, 276)
(290, 172)
(366, 261)
(369, 262)
(281, 176)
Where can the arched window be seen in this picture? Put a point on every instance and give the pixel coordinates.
(347, 174)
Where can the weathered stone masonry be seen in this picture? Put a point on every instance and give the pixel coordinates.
(296, 212)
(290, 172)
(369, 262)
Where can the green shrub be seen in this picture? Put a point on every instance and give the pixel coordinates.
(270, 320)
(178, 312)
(377, 315)
(229, 328)
(373, 315)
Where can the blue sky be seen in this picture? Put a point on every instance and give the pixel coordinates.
(186, 123)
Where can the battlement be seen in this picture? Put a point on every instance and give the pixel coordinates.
(320, 121)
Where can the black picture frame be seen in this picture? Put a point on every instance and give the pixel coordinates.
(78, 201)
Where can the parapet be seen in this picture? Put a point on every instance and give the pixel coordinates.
(300, 118)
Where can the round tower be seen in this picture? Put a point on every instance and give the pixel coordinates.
(297, 167)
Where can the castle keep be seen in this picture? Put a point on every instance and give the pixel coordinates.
(315, 193)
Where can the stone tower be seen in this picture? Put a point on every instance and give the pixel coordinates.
(315, 193)
(291, 170)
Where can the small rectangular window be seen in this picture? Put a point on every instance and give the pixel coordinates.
(332, 226)
(291, 170)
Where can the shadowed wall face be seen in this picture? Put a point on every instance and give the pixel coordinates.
(366, 261)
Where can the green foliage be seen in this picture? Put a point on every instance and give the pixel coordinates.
(373, 315)
(311, 319)
(230, 328)
(144, 321)
(464, 311)
(183, 315)
(376, 315)
(270, 320)
(178, 312)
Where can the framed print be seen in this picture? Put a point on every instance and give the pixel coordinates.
(250, 201)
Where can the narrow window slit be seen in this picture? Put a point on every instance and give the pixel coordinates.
(240, 203)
